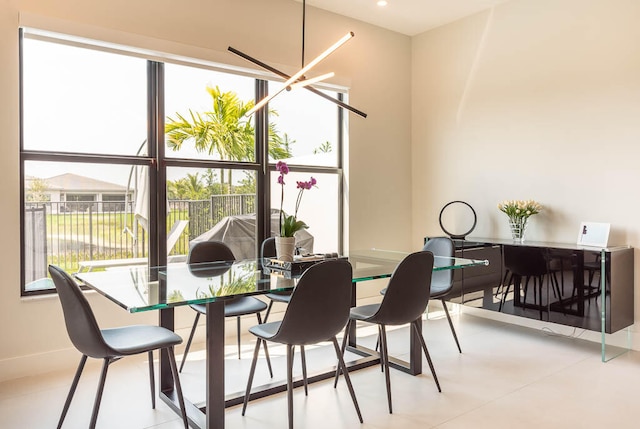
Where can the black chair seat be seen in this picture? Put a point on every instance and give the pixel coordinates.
(363, 312)
(266, 331)
(236, 307)
(284, 297)
(439, 290)
(132, 340)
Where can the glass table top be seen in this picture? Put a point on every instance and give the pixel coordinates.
(142, 288)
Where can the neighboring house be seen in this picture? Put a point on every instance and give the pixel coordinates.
(73, 193)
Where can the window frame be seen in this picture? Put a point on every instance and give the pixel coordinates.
(156, 161)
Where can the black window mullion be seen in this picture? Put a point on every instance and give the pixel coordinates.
(157, 172)
(340, 176)
(263, 188)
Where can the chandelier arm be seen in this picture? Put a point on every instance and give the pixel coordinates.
(286, 77)
(300, 73)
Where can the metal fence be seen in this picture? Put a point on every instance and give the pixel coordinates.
(71, 232)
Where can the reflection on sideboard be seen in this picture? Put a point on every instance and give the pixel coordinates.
(553, 282)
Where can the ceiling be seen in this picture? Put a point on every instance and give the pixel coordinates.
(408, 17)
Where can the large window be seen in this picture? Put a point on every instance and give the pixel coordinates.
(112, 177)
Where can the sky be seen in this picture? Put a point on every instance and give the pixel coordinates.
(80, 98)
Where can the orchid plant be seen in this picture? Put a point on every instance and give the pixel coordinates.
(289, 225)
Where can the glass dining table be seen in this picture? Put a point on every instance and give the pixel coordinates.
(142, 288)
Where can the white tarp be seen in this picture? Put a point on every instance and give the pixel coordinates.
(239, 233)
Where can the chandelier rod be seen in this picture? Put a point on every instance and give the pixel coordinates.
(304, 15)
(286, 76)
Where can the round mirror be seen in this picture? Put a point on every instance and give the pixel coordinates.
(458, 219)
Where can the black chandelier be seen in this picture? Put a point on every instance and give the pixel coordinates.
(299, 80)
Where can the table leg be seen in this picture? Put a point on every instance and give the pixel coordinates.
(352, 327)
(215, 365)
(166, 376)
(415, 350)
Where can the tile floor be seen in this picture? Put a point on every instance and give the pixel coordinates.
(507, 377)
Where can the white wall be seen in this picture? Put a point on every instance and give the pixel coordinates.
(537, 99)
(376, 65)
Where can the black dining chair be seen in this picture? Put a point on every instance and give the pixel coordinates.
(267, 250)
(217, 251)
(442, 280)
(318, 310)
(109, 345)
(405, 300)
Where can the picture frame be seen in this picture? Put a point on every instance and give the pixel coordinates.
(594, 234)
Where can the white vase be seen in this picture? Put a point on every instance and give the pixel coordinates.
(285, 248)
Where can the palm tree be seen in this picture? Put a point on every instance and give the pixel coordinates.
(188, 188)
(224, 131)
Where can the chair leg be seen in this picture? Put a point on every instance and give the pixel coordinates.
(251, 373)
(384, 354)
(426, 352)
(378, 340)
(96, 403)
(152, 381)
(176, 380)
(238, 327)
(342, 350)
(304, 370)
(266, 315)
(453, 330)
(72, 390)
(186, 349)
(266, 350)
(290, 384)
(342, 365)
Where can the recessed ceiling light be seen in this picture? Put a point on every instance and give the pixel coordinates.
(382, 2)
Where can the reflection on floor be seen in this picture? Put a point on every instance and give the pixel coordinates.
(507, 376)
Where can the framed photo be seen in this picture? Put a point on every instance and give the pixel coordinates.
(594, 234)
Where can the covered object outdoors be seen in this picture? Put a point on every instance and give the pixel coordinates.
(239, 233)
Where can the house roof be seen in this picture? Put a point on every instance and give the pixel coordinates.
(70, 182)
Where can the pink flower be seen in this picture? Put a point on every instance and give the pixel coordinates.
(282, 167)
(290, 224)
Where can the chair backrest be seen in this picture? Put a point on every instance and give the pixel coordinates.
(441, 246)
(209, 251)
(268, 248)
(408, 291)
(319, 306)
(82, 326)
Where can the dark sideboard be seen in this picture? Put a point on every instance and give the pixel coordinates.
(552, 282)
